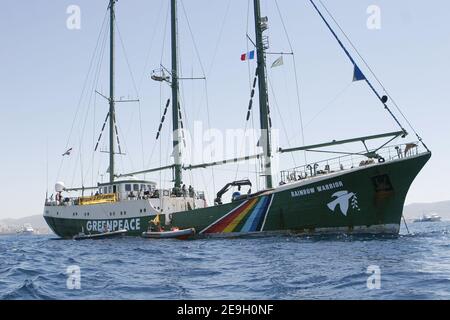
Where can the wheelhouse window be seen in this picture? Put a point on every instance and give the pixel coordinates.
(135, 187)
(128, 187)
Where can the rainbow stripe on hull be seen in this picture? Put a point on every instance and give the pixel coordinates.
(248, 217)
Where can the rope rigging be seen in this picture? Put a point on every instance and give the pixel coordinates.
(197, 52)
(149, 161)
(116, 129)
(180, 117)
(250, 87)
(91, 64)
(219, 38)
(137, 93)
(383, 99)
(163, 119)
(151, 42)
(94, 83)
(255, 79)
(252, 95)
(281, 118)
(101, 132)
(297, 85)
(374, 75)
(92, 78)
(117, 136)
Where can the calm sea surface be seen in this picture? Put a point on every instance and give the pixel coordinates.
(412, 266)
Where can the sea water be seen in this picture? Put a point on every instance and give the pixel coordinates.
(410, 266)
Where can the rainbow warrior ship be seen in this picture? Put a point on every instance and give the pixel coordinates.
(354, 192)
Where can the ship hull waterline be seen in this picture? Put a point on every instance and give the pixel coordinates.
(363, 200)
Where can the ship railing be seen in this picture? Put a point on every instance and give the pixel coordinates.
(115, 197)
(341, 163)
(66, 201)
(163, 193)
(98, 199)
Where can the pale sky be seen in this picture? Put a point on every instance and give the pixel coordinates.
(44, 65)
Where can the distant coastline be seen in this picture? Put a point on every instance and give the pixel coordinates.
(13, 226)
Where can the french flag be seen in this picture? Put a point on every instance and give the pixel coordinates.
(248, 56)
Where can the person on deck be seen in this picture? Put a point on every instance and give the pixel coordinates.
(155, 225)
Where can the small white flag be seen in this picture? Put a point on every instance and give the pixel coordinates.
(278, 62)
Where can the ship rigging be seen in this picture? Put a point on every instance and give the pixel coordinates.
(336, 196)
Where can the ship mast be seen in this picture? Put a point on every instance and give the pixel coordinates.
(175, 98)
(260, 27)
(112, 112)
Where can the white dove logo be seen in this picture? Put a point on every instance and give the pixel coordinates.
(343, 200)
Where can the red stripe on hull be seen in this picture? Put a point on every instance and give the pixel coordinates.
(222, 224)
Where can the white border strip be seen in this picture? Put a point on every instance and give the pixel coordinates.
(267, 212)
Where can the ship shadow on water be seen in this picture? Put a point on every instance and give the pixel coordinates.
(299, 236)
(261, 235)
(344, 237)
(314, 237)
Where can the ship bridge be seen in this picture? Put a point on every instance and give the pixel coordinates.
(128, 188)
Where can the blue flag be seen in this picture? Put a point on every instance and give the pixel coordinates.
(358, 75)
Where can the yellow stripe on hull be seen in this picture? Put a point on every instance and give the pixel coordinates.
(235, 222)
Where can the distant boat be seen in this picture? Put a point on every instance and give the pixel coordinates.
(26, 229)
(428, 218)
(173, 234)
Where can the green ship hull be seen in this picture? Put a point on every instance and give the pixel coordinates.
(366, 199)
(362, 200)
(69, 228)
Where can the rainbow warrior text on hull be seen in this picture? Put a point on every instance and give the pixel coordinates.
(360, 192)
